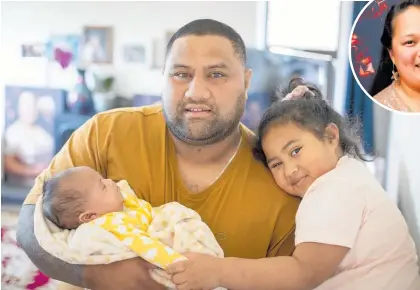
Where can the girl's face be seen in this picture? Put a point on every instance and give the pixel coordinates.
(296, 157)
(405, 52)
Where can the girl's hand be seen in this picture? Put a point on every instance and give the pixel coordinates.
(200, 271)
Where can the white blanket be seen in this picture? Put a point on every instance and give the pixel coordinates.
(90, 244)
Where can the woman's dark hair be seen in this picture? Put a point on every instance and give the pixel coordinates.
(383, 76)
(310, 112)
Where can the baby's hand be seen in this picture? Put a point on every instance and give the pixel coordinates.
(203, 272)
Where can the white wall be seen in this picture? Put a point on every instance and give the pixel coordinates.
(133, 22)
(403, 176)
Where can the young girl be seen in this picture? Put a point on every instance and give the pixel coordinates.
(349, 235)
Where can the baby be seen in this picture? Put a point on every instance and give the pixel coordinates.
(106, 222)
(79, 195)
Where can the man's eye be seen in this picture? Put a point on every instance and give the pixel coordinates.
(216, 75)
(181, 75)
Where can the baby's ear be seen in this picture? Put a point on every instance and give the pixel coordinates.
(87, 216)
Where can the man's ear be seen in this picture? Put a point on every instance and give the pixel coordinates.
(248, 76)
(332, 133)
(87, 216)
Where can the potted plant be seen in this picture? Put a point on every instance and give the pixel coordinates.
(103, 94)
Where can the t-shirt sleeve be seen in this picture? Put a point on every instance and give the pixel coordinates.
(331, 213)
(84, 148)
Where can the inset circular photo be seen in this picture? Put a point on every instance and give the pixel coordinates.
(384, 53)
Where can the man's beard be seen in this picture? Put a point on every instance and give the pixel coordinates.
(204, 132)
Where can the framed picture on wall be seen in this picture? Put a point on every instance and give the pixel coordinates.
(159, 50)
(64, 49)
(33, 50)
(97, 44)
(29, 134)
(134, 54)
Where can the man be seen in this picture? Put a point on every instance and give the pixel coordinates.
(193, 150)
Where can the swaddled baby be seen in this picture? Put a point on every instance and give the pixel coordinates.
(102, 221)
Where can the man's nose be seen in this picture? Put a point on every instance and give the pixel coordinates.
(197, 89)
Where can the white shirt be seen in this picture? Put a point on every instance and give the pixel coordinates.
(348, 207)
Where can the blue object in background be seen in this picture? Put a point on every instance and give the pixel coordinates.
(79, 100)
(358, 105)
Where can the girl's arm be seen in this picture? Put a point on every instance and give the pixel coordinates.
(310, 265)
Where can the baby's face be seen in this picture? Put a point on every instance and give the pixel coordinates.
(103, 195)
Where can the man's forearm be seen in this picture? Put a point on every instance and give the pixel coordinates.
(49, 265)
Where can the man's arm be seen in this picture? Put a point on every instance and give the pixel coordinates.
(80, 150)
(132, 274)
(86, 147)
(46, 263)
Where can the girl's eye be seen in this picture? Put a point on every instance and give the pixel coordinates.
(276, 164)
(295, 151)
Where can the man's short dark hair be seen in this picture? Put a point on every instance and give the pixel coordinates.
(62, 204)
(202, 27)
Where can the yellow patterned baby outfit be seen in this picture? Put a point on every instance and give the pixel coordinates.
(158, 235)
(131, 228)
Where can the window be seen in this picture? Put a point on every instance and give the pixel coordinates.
(304, 25)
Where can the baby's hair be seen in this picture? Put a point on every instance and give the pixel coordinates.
(62, 204)
(310, 112)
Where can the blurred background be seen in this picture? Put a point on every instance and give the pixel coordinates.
(62, 62)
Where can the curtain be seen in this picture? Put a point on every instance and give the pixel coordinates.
(358, 104)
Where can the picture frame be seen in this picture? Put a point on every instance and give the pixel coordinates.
(64, 49)
(33, 49)
(29, 132)
(134, 53)
(159, 50)
(98, 45)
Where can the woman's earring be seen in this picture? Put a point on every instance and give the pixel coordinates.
(395, 75)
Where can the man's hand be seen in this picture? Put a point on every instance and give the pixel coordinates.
(198, 272)
(132, 274)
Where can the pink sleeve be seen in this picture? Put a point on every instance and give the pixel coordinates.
(332, 214)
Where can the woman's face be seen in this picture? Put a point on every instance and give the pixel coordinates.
(405, 52)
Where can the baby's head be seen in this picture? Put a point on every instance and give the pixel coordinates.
(301, 139)
(79, 195)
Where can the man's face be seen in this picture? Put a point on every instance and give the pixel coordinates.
(204, 89)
